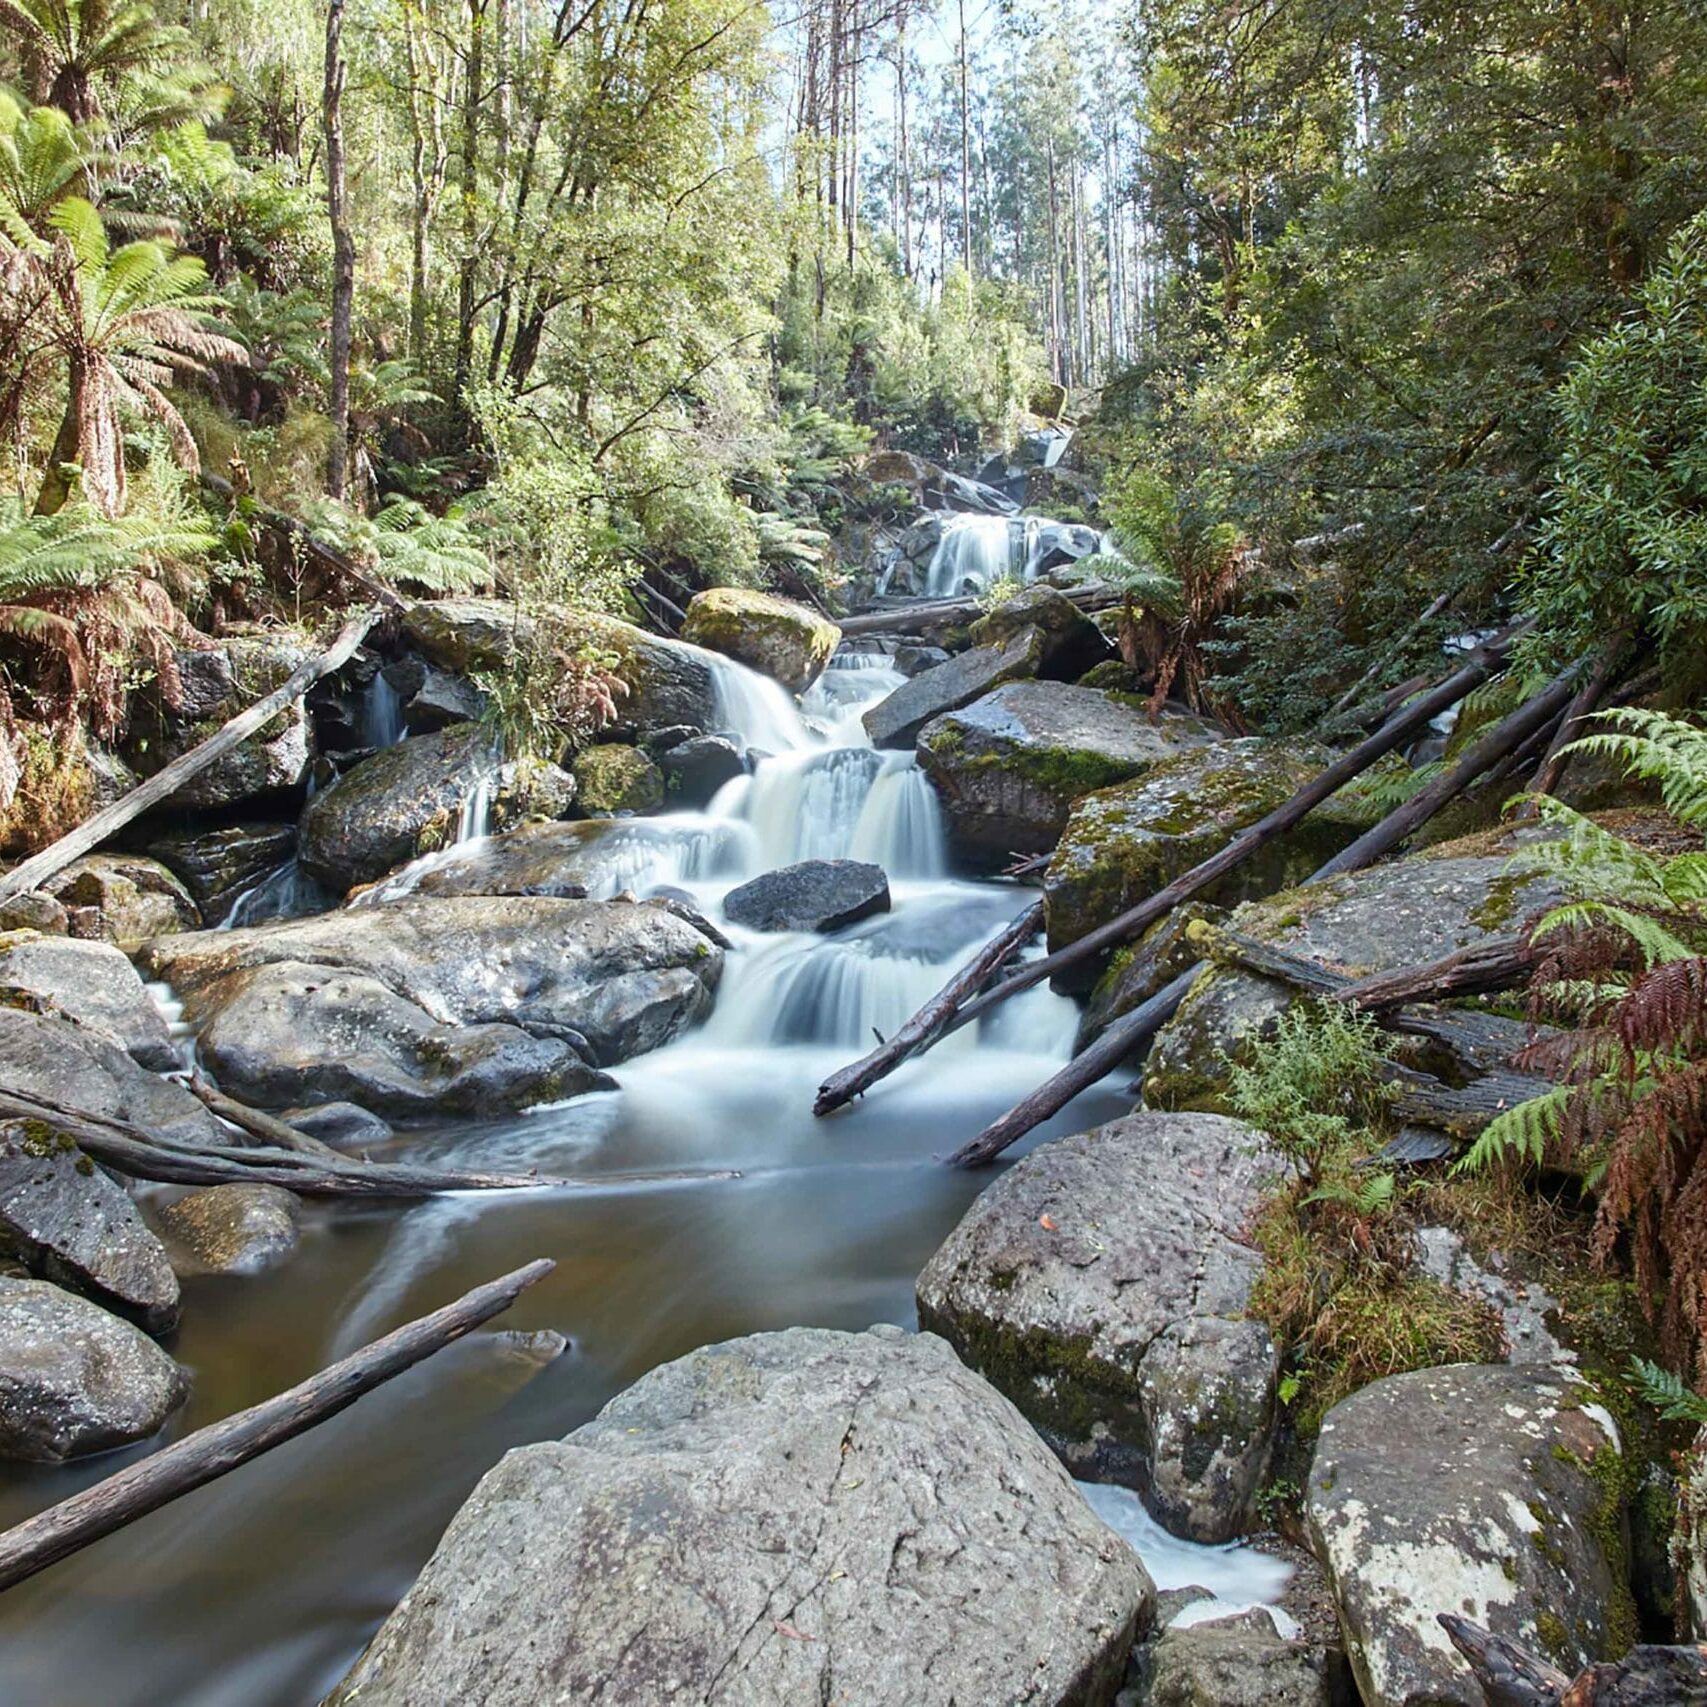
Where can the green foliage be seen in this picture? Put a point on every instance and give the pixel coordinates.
(1667, 1393)
(405, 545)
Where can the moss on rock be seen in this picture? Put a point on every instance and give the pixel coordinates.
(774, 636)
(617, 778)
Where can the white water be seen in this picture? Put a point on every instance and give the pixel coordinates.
(286, 892)
(975, 552)
(379, 720)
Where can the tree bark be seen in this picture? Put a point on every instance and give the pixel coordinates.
(266, 1127)
(1588, 698)
(221, 1447)
(343, 252)
(160, 787)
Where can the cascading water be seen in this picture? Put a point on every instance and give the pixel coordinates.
(379, 718)
(973, 553)
(286, 892)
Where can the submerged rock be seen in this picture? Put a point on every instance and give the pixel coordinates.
(1104, 1283)
(1072, 643)
(69, 1222)
(776, 637)
(75, 1379)
(123, 899)
(232, 1229)
(93, 985)
(814, 895)
(799, 1516)
(895, 721)
(1009, 766)
(217, 866)
(1485, 1490)
(617, 778)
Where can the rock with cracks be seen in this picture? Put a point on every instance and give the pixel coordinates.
(814, 895)
(895, 721)
(1488, 1490)
(75, 1379)
(1104, 1284)
(794, 1517)
(93, 985)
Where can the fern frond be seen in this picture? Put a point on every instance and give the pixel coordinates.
(1667, 1393)
(1524, 1132)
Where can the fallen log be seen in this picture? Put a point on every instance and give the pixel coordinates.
(160, 787)
(927, 1024)
(221, 1447)
(1587, 701)
(268, 1128)
(916, 614)
(1649, 1675)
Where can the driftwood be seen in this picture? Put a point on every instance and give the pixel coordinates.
(917, 615)
(160, 787)
(268, 1128)
(221, 1447)
(928, 1023)
(1511, 1676)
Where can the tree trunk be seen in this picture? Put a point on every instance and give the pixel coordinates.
(965, 153)
(343, 252)
(469, 262)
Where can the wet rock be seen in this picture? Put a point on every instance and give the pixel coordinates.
(1124, 843)
(530, 791)
(34, 912)
(915, 660)
(1052, 491)
(896, 720)
(441, 699)
(1103, 1283)
(401, 802)
(216, 684)
(123, 899)
(231, 1229)
(217, 866)
(791, 1517)
(289, 1032)
(69, 1222)
(934, 487)
(621, 979)
(1058, 545)
(814, 895)
(344, 1125)
(1232, 1662)
(1072, 643)
(778, 638)
(1010, 765)
(617, 778)
(1368, 921)
(695, 769)
(92, 985)
(1476, 1489)
(75, 1379)
(464, 635)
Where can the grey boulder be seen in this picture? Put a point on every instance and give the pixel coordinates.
(123, 899)
(218, 865)
(1104, 1284)
(240, 1228)
(75, 1379)
(895, 721)
(1479, 1489)
(343, 1125)
(792, 1517)
(1072, 643)
(93, 985)
(695, 769)
(814, 895)
(1240, 1661)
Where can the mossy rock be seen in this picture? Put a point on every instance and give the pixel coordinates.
(617, 778)
(1072, 643)
(774, 636)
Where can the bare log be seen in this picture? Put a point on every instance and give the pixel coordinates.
(1587, 700)
(1510, 1676)
(910, 618)
(221, 1447)
(160, 787)
(928, 1023)
(268, 1128)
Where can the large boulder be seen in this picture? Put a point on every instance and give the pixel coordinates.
(1072, 643)
(93, 985)
(240, 1228)
(214, 684)
(400, 803)
(814, 895)
(1488, 1490)
(1124, 843)
(1368, 921)
(800, 1516)
(1010, 765)
(69, 1222)
(1237, 1661)
(617, 778)
(611, 978)
(934, 487)
(778, 638)
(123, 899)
(218, 865)
(74, 1379)
(897, 718)
(1104, 1284)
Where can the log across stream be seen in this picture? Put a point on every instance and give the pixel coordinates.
(260, 1588)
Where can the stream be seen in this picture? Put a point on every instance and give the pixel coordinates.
(258, 1590)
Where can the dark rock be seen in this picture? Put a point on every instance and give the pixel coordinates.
(123, 899)
(778, 638)
(1010, 765)
(1104, 1284)
(34, 912)
(69, 1222)
(231, 1229)
(74, 1379)
(217, 866)
(793, 1517)
(934, 487)
(1476, 1489)
(92, 985)
(443, 698)
(896, 720)
(694, 770)
(617, 778)
(815, 895)
(343, 1125)
(915, 660)
(658, 742)
(1072, 643)
(1239, 1661)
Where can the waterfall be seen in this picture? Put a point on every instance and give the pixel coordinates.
(474, 819)
(754, 707)
(975, 551)
(1056, 448)
(900, 824)
(286, 892)
(379, 718)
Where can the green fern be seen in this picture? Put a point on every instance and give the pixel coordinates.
(1124, 563)
(404, 544)
(1524, 1131)
(1667, 1393)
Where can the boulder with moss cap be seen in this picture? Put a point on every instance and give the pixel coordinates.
(778, 638)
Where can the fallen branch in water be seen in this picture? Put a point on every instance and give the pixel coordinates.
(221, 1447)
(268, 1128)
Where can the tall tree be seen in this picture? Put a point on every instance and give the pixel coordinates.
(343, 252)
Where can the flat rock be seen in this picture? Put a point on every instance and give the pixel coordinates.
(1240, 1661)
(814, 895)
(777, 637)
(74, 1379)
(1010, 765)
(618, 979)
(240, 1228)
(93, 985)
(218, 865)
(1368, 921)
(895, 721)
(124, 899)
(792, 1517)
(1072, 643)
(1480, 1489)
(1103, 1284)
(69, 1222)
